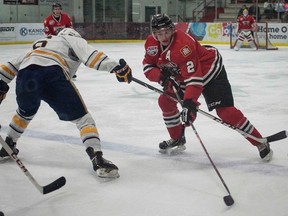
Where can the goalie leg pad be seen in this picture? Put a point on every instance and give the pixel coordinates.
(238, 45)
(253, 45)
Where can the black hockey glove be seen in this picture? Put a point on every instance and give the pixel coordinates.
(189, 111)
(123, 71)
(167, 71)
(4, 88)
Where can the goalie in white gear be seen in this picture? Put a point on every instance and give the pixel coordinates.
(44, 73)
(246, 26)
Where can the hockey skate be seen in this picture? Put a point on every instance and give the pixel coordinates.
(3, 153)
(265, 152)
(103, 167)
(173, 146)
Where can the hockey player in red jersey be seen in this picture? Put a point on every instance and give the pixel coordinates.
(246, 26)
(199, 70)
(44, 74)
(56, 21)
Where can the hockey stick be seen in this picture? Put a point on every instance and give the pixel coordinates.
(60, 182)
(228, 198)
(275, 137)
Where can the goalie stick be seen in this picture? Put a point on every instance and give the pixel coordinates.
(58, 183)
(275, 137)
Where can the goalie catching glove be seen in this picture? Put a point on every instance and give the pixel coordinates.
(123, 71)
(189, 111)
(4, 88)
(167, 71)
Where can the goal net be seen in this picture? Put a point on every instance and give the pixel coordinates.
(261, 37)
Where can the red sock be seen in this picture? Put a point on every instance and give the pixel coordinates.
(235, 117)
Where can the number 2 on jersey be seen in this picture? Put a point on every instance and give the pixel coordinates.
(190, 67)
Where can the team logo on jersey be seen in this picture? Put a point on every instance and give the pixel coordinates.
(51, 22)
(152, 50)
(186, 51)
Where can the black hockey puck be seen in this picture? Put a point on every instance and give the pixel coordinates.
(1, 213)
(228, 200)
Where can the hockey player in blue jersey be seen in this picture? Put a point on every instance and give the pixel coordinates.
(44, 73)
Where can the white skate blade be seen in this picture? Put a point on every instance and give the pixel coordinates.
(174, 150)
(106, 173)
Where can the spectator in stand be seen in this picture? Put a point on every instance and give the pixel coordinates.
(285, 16)
(254, 10)
(268, 9)
(279, 8)
(57, 21)
(286, 6)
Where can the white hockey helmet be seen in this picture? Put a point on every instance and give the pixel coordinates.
(70, 32)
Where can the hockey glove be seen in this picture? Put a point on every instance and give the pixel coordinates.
(167, 71)
(123, 71)
(189, 111)
(4, 88)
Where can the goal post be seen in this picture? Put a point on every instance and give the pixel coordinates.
(261, 37)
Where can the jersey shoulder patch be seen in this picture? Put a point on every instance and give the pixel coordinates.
(152, 50)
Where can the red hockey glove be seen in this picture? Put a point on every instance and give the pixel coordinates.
(4, 88)
(189, 111)
(123, 71)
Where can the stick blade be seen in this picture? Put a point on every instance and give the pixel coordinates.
(58, 183)
(229, 201)
(278, 136)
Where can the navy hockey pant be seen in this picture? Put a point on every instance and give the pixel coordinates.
(35, 83)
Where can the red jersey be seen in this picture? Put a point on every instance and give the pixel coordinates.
(52, 25)
(245, 23)
(198, 64)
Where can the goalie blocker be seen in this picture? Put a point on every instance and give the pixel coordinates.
(261, 37)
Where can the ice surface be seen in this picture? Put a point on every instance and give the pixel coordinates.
(131, 126)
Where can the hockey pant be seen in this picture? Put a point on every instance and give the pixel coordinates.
(245, 35)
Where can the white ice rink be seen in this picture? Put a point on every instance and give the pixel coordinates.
(131, 127)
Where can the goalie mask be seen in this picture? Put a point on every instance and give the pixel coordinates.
(70, 32)
(245, 12)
